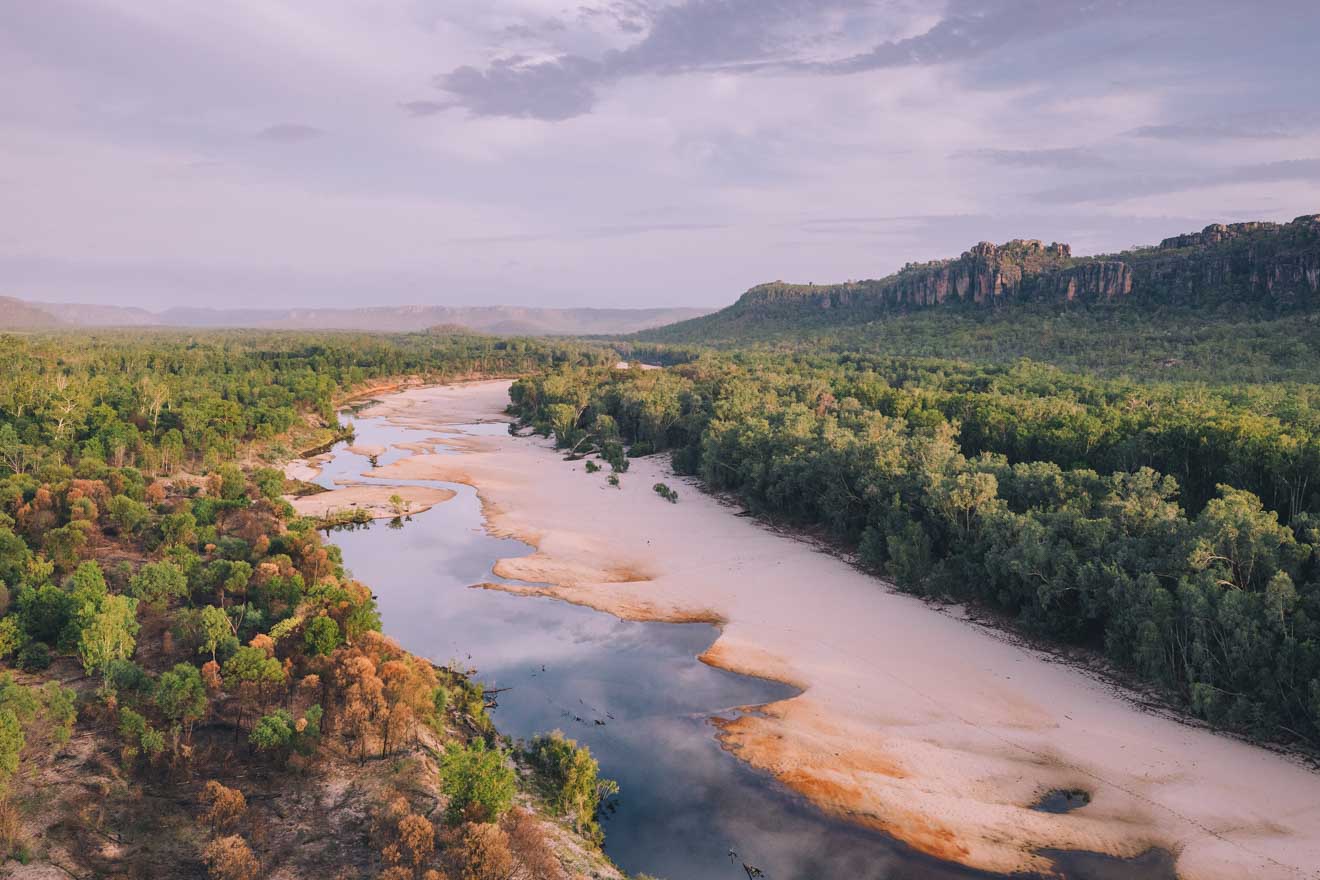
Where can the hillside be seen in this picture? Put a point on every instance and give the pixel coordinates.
(1264, 267)
(499, 320)
(15, 314)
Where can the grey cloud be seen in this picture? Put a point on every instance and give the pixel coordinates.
(533, 31)
(551, 90)
(426, 108)
(975, 27)
(752, 35)
(1134, 187)
(289, 133)
(1255, 126)
(629, 16)
(695, 35)
(1067, 158)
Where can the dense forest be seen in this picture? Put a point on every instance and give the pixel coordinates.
(1172, 526)
(192, 684)
(1144, 344)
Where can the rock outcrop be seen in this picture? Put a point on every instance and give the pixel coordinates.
(1262, 265)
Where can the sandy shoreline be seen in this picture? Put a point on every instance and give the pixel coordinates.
(911, 721)
(375, 500)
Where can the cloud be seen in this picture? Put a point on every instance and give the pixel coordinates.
(289, 133)
(1267, 125)
(691, 36)
(1110, 191)
(550, 90)
(426, 108)
(1066, 158)
(749, 36)
(972, 28)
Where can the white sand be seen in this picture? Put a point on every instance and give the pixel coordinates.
(912, 720)
(375, 500)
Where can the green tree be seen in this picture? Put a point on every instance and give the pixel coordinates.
(217, 629)
(273, 732)
(573, 777)
(156, 583)
(479, 782)
(110, 634)
(181, 696)
(128, 515)
(322, 636)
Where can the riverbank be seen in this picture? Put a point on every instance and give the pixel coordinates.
(911, 720)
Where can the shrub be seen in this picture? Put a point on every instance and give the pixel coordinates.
(485, 853)
(225, 807)
(322, 636)
(272, 732)
(230, 858)
(138, 735)
(157, 582)
(478, 781)
(666, 493)
(34, 657)
(572, 777)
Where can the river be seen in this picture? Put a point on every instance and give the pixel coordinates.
(633, 692)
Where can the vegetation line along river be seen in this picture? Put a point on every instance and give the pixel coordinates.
(633, 692)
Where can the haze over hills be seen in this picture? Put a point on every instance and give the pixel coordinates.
(19, 314)
(1270, 267)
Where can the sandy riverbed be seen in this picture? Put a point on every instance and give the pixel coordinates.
(911, 720)
(375, 500)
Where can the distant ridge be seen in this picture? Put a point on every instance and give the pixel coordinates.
(16, 314)
(497, 320)
(1266, 265)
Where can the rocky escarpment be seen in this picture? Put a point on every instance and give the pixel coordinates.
(1270, 264)
(1264, 265)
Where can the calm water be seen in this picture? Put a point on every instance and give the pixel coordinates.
(633, 692)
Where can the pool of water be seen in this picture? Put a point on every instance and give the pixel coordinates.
(633, 692)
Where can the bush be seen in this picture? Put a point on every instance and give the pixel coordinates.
(666, 493)
(157, 582)
(273, 731)
(34, 657)
(138, 735)
(572, 777)
(478, 781)
(322, 636)
(230, 858)
(225, 807)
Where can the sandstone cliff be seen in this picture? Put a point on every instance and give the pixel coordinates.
(1272, 266)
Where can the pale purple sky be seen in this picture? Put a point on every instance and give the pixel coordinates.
(622, 152)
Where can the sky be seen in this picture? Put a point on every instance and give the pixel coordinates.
(615, 153)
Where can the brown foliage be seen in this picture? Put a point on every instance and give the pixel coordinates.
(406, 839)
(484, 851)
(416, 838)
(230, 858)
(11, 828)
(263, 642)
(225, 806)
(531, 847)
(361, 695)
(211, 676)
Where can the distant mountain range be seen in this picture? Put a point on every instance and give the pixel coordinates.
(17, 314)
(1267, 266)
